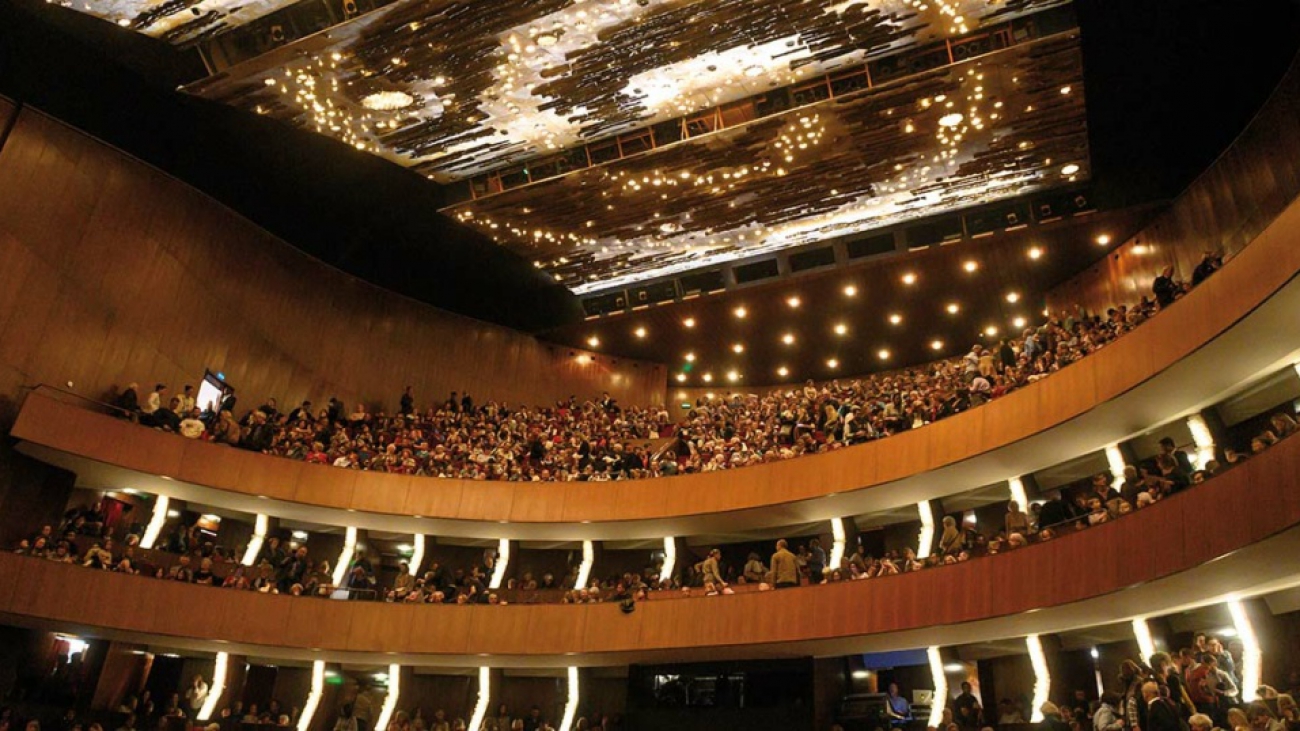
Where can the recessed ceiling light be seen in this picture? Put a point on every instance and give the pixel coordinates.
(593, 341)
(681, 378)
(690, 357)
(936, 345)
(1035, 253)
(909, 279)
(733, 376)
(951, 120)
(689, 322)
(1065, 90)
(850, 290)
(882, 354)
(1018, 322)
(639, 332)
(783, 371)
(953, 308)
(991, 330)
(793, 302)
(970, 266)
(1103, 239)
(788, 338)
(738, 348)
(895, 319)
(707, 377)
(1070, 169)
(832, 363)
(1013, 297)
(740, 312)
(546, 40)
(841, 328)
(753, 70)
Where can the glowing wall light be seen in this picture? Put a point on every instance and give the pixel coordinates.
(313, 698)
(940, 687)
(218, 687)
(584, 569)
(837, 542)
(926, 540)
(1115, 461)
(390, 699)
(345, 560)
(1018, 493)
(1042, 677)
(499, 572)
(484, 697)
(1252, 658)
(156, 521)
(417, 556)
(1142, 633)
(1203, 439)
(670, 558)
(571, 705)
(260, 527)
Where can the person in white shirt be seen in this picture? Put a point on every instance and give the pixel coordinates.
(154, 402)
(192, 426)
(196, 694)
(187, 400)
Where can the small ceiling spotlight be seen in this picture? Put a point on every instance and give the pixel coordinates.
(740, 312)
(690, 358)
(909, 279)
(640, 332)
(953, 308)
(936, 345)
(1103, 240)
(793, 302)
(1013, 297)
(971, 266)
(841, 328)
(738, 348)
(783, 371)
(688, 322)
(788, 338)
(1035, 253)
(833, 363)
(882, 354)
(593, 342)
(850, 290)
(895, 319)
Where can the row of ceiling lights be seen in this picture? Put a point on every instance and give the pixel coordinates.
(970, 266)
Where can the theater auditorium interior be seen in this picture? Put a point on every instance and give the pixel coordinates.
(627, 365)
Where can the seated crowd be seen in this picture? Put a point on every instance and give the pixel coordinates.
(1197, 688)
(601, 440)
(289, 569)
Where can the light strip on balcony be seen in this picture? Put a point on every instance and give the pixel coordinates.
(1042, 676)
(1115, 461)
(390, 699)
(417, 556)
(484, 697)
(670, 558)
(1018, 493)
(156, 522)
(1142, 633)
(584, 569)
(926, 540)
(345, 560)
(260, 528)
(940, 687)
(503, 561)
(218, 687)
(571, 705)
(1252, 657)
(837, 543)
(1203, 439)
(313, 698)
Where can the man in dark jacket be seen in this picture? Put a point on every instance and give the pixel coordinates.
(1161, 713)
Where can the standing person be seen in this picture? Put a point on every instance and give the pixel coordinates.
(1107, 717)
(408, 402)
(196, 694)
(785, 570)
(816, 561)
(967, 708)
(710, 571)
(1161, 713)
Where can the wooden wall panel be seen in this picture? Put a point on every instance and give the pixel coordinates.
(1154, 543)
(115, 272)
(1225, 208)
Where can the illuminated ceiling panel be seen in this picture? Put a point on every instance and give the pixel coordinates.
(178, 21)
(464, 89)
(998, 127)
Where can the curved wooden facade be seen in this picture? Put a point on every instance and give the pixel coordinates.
(1210, 310)
(1107, 561)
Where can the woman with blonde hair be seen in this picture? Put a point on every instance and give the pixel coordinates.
(952, 538)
